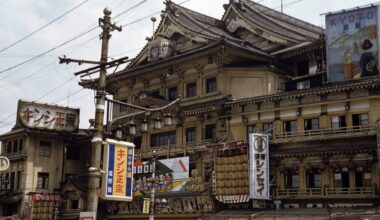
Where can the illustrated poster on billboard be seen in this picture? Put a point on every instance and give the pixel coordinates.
(258, 166)
(352, 44)
(117, 182)
(171, 175)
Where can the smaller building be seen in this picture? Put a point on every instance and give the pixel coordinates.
(47, 154)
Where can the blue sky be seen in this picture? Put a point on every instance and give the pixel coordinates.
(54, 83)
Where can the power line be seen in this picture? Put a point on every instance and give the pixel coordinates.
(147, 16)
(43, 27)
(62, 44)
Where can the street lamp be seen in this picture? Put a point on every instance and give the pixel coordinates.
(132, 128)
(157, 123)
(144, 125)
(168, 119)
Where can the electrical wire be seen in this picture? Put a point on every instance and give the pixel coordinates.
(43, 27)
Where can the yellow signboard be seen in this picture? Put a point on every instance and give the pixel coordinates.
(117, 181)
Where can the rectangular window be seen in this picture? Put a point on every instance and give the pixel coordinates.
(311, 124)
(292, 180)
(9, 147)
(15, 146)
(359, 119)
(338, 121)
(211, 85)
(6, 181)
(43, 180)
(172, 93)
(12, 181)
(250, 129)
(18, 180)
(45, 148)
(314, 179)
(155, 94)
(210, 131)
(137, 142)
(191, 89)
(123, 108)
(20, 145)
(267, 128)
(162, 139)
(303, 85)
(73, 152)
(190, 134)
(290, 126)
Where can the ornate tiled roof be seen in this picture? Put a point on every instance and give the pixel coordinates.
(278, 22)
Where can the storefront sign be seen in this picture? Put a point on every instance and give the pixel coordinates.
(146, 206)
(87, 216)
(167, 205)
(46, 197)
(171, 175)
(4, 163)
(258, 166)
(233, 199)
(352, 44)
(50, 117)
(117, 182)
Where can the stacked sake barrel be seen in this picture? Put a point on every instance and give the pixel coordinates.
(232, 175)
(196, 182)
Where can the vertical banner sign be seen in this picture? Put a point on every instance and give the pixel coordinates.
(352, 44)
(146, 206)
(258, 166)
(117, 181)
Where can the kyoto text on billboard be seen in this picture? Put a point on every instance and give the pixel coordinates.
(352, 44)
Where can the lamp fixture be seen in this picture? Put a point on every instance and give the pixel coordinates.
(119, 132)
(132, 128)
(144, 125)
(168, 119)
(157, 123)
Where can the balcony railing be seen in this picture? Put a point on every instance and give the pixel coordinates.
(328, 133)
(358, 192)
(15, 155)
(175, 148)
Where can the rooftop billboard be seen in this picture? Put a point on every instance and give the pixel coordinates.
(352, 44)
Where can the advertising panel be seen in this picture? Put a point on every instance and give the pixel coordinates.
(171, 175)
(117, 182)
(49, 117)
(258, 166)
(352, 44)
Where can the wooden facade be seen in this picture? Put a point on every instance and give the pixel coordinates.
(253, 71)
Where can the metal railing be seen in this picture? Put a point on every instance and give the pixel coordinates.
(362, 192)
(175, 148)
(15, 155)
(324, 133)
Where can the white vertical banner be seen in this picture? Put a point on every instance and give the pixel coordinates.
(258, 166)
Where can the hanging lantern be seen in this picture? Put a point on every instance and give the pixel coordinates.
(168, 120)
(144, 125)
(157, 123)
(119, 132)
(132, 128)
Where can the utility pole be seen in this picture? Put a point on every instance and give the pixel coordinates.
(153, 190)
(97, 138)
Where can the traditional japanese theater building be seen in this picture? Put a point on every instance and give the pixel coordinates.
(47, 175)
(255, 70)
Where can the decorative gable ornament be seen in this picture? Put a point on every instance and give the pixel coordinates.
(161, 48)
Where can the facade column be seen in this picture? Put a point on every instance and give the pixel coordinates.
(302, 176)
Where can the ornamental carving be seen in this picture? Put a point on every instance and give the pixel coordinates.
(234, 24)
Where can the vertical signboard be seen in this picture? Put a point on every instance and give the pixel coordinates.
(258, 166)
(352, 44)
(117, 182)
